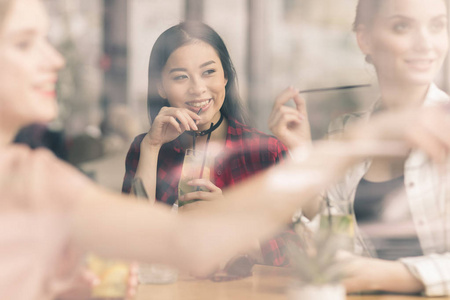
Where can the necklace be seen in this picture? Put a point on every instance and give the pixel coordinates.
(207, 131)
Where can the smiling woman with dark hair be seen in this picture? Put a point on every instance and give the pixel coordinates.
(193, 96)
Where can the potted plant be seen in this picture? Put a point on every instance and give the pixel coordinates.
(316, 269)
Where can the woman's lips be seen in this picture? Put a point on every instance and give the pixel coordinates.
(420, 64)
(47, 90)
(197, 105)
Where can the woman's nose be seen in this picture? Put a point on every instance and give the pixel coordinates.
(423, 40)
(53, 59)
(197, 86)
(58, 60)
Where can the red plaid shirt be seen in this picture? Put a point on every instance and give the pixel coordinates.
(248, 151)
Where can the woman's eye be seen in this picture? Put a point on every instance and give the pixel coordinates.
(401, 27)
(209, 72)
(23, 45)
(180, 77)
(438, 26)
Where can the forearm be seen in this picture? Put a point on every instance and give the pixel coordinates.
(148, 166)
(381, 275)
(119, 226)
(399, 280)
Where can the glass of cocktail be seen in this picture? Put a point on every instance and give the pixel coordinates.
(196, 165)
(337, 218)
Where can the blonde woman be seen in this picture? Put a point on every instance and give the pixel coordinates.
(406, 41)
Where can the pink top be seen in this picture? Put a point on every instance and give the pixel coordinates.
(31, 249)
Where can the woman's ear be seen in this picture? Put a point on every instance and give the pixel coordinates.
(161, 91)
(225, 80)
(363, 39)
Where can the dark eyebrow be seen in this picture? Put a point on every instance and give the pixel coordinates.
(185, 70)
(177, 70)
(399, 17)
(25, 32)
(207, 63)
(406, 17)
(440, 17)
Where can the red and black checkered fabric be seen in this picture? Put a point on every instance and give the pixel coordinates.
(247, 151)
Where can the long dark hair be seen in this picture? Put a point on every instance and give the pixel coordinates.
(172, 39)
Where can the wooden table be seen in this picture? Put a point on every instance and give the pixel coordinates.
(267, 283)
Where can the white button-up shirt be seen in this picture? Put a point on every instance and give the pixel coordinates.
(428, 194)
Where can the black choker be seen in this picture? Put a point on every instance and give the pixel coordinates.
(207, 131)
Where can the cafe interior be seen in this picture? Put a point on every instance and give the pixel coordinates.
(274, 44)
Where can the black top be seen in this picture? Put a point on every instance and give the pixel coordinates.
(389, 229)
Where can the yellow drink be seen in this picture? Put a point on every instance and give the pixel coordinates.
(113, 277)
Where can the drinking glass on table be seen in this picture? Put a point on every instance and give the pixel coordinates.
(337, 218)
(113, 276)
(196, 165)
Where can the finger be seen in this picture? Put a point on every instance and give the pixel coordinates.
(182, 119)
(280, 121)
(191, 121)
(175, 124)
(291, 121)
(300, 104)
(422, 139)
(193, 115)
(91, 278)
(438, 124)
(198, 195)
(286, 110)
(284, 97)
(204, 183)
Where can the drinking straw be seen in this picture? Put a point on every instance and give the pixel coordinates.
(330, 219)
(204, 154)
(194, 136)
(345, 87)
(193, 141)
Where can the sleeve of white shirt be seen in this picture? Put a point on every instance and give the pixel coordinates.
(433, 271)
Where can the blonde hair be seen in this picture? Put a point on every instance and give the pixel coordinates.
(366, 11)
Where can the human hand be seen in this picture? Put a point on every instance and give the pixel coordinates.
(81, 286)
(213, 193)
(85, 281)
(424, 128)
(170, 123)
(372, 274)
(290, 125)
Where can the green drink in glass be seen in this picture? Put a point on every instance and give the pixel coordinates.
(337, 218)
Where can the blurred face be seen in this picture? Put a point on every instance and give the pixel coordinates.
(193, 78)
(28, 66)
(408, 40)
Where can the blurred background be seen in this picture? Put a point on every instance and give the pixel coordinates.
(273, 43)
